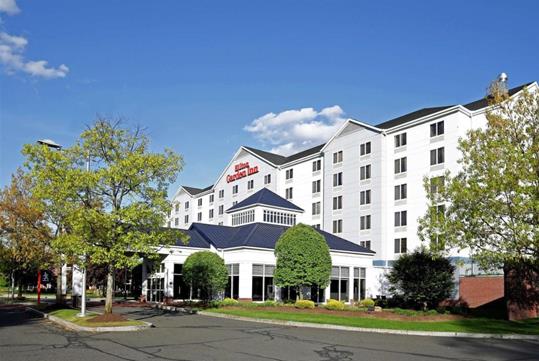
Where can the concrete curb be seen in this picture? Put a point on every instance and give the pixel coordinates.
(374, 330)
(74, 327)
(173, 308)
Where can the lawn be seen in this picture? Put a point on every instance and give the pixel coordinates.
(477, 325)
(71, 316)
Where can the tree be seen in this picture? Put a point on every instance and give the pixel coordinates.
(421, 279)
(303, 259)
(115, 210)
(492, 204)
(206, 271)
(24, 234)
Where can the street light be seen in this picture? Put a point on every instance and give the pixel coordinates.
(51, 144)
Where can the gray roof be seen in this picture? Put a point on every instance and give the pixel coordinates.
(265, 197)
(280, 160)
(194, 191)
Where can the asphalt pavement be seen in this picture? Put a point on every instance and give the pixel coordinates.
(25, 337)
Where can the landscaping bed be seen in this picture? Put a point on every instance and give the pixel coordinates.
(94, 319)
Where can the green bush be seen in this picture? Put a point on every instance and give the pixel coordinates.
(334, 305)
(206, 271)
(367, 302)
(304, 304)
(229, 302)
(270, 303)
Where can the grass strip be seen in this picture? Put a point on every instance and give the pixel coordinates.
(475, 325)
(71, 316)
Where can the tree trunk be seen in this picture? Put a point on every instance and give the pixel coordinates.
(110, 290)
(19, 294)
(12, 285)
(59, 293)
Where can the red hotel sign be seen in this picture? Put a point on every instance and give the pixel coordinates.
(241, 170)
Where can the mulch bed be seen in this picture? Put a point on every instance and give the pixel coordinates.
(388, 315)
(108, 317)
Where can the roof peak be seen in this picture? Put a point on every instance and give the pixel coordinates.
(265, 197)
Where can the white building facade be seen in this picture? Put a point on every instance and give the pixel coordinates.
(365, 185)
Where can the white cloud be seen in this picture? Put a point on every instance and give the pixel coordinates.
(9, 7)
(12, 52)
(294, 130)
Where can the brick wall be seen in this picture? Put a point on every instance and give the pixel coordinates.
(480, 290)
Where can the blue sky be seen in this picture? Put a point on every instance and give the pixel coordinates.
(198, 74)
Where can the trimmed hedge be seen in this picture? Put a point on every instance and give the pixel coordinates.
(334, 305)
(304, 304)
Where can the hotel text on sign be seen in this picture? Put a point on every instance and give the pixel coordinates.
(241, 170)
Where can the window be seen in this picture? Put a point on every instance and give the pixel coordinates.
(267, 179)
(243, 217)
(250, 184)
(235, 189)
(437, 156)
(212, 198)
(400, 219)
(365, 148)
(176, 221)
(200, 202)
(290, 173)
(317, 165)
(400, 192)
(181, 289)
(436, 184)
(199, 217)
(439, 211)
(365, 197)
(232, 289)
(400, 140)
(400, 245)
(316, 186)
(288, 193)
(287, 219)
(177, 207)
(400, 165)
(234, 203)
(436, 129)
(337, 226)
(317, 226)
(365, 172)
(337, 179)
(221, 210)
(186, 205)
(365, 222)
(222, 194)
(338, 287)
(263, 288)
(337, 202)
(186, 219)
(316, 208)
(337, 157)
(360, 283)
(211, 214)
(366, 244)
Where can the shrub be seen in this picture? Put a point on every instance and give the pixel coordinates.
(334, 305)
(229, 302)
(270, 303)
(206, 271)
(434, 286)
(304, 304)
(367, 302)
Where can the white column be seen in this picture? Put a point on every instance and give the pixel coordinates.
(246, 281)
(64, 279)
(144, 279)
(327, 293)
(169, 279)
(76, 283)
(351, 285)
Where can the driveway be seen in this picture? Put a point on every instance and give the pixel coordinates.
(194, 337)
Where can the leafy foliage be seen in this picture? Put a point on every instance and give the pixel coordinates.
(334, 305)
(421, 279)
(206, 271)
(303, 259)
(304, 304)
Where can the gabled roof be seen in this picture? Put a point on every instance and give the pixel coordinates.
(411, 116)
(484, 102)
(260, 235)
(279, 159)
(194, 191)
(265, 197)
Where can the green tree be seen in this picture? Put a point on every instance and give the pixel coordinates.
(206, 271)
(421, 279)
(492, 204)
(303, 259)
(114, 211)
(24, 233)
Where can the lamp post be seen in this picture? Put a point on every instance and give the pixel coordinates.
(83, 293)
(51, 144)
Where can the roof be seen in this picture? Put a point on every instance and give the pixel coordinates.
(280, 159)
(194, 191)
(258, 235)
(267, 198)
(484, 102)
(475, 105)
